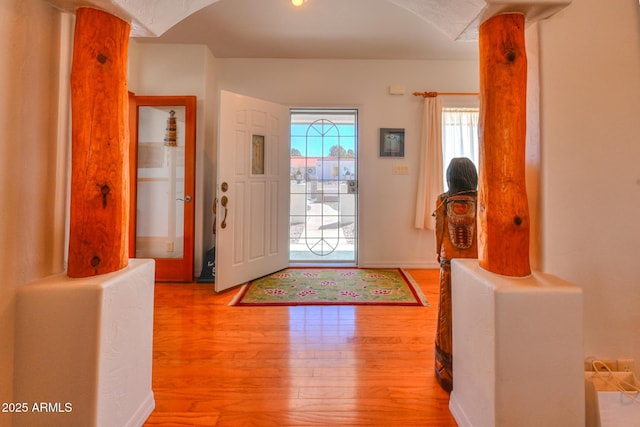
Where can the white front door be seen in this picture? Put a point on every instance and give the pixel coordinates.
(252, 218)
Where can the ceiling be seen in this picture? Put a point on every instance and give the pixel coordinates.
(319, 29)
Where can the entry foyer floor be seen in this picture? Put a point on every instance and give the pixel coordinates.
(218, 365)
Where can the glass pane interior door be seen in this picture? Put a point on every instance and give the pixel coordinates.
(324, 186)
(160, 186)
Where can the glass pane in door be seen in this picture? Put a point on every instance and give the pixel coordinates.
(324, 186)
(160, 186)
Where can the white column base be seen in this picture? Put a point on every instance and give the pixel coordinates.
(83, 349)
(517, 350)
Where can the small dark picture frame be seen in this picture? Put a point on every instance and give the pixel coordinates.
(391, 142)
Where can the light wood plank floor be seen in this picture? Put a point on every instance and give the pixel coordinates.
(216, 365)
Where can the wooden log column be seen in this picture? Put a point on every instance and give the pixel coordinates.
(98, 240)
(503, 212)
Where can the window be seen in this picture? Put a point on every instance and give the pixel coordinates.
(459, 136)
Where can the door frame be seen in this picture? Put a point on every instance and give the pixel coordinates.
(327, 113)
(166, 269)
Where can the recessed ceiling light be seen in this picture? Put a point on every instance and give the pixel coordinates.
(297, 2)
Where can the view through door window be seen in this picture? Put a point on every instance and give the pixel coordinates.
(324, 186)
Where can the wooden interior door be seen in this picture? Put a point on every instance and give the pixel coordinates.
(252, 218)
(162, 162)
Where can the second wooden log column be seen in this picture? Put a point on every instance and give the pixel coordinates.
(503, 212)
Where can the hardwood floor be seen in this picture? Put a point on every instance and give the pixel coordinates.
(216, 365)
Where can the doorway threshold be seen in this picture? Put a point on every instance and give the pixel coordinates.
(323, 264)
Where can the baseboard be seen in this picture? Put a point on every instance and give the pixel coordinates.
(427, 265)
(144, 411)
(458, 412)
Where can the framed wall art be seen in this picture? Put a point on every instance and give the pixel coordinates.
(391, 142)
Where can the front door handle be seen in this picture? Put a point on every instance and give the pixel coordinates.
(224, 201)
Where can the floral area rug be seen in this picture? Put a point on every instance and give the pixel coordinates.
(332, 286)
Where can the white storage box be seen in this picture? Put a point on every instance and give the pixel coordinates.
(607, 407)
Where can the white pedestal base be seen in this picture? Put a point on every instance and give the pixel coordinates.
(83, 349)
(517, 350)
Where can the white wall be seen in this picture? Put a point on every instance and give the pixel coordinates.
(207, 161)
(590, 92)
(33, 167)
(386, 201)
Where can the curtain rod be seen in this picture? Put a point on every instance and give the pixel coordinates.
(435, 94)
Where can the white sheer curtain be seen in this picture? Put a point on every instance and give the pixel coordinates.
(459, 136)
(430, 178)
